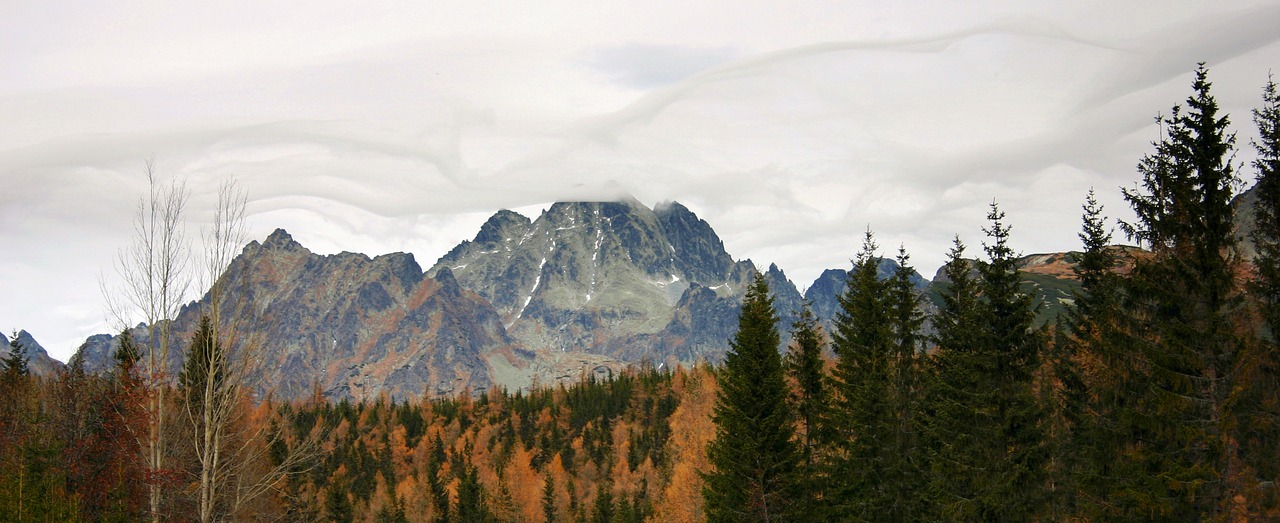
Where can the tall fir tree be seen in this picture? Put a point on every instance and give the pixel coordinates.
(205, 363)
(861, 417)
(1097, 372)
(986, 434)
(952, 387)
(904, 461)
(754, 454)
(1014, 344)
(1181, 302)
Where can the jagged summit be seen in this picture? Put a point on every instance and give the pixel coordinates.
(281, 240)
(595, 277)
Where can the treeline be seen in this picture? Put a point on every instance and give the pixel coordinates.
(624, 449)
(1156, 398)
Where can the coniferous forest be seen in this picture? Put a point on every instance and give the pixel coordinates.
(1155, 397)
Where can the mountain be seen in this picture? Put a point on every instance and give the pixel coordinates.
(586, 287)
(610, 278)
(824, 294)
(38, 359)
(356, 327)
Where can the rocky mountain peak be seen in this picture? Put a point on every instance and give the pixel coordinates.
(502, 225)
(281, 240)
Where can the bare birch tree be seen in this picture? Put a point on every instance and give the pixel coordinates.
(153, 282)
(230, 451)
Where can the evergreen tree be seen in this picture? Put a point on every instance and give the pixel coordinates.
(988, 447)
(952, 388)
(754, 453)
(603, 510)
(1094, 370)
(804, 365)
(904, 465)
(1182, 301)
(127, 354)
(810, 400)
(549, 499)
(472, 506)
(15, 363)
(862, 418)
(1267, 211)
(1261, 442)
(338, 504)
(205, 363)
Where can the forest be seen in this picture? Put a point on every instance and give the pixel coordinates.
(1156, 397)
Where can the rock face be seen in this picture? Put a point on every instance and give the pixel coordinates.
(609, 278)
(38, 360)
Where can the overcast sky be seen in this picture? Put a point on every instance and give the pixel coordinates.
(403, 126)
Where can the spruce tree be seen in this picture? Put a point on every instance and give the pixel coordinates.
(904, 480)
(1183, 301)
(126, 354)
(985, 431)
(1267, 210)
(754, 454)
(805, 366)
(861, 417)
(952, 387)
(1017, 481)
(1096, 371)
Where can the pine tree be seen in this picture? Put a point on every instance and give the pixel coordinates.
(754, 453)
(1182, 301)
